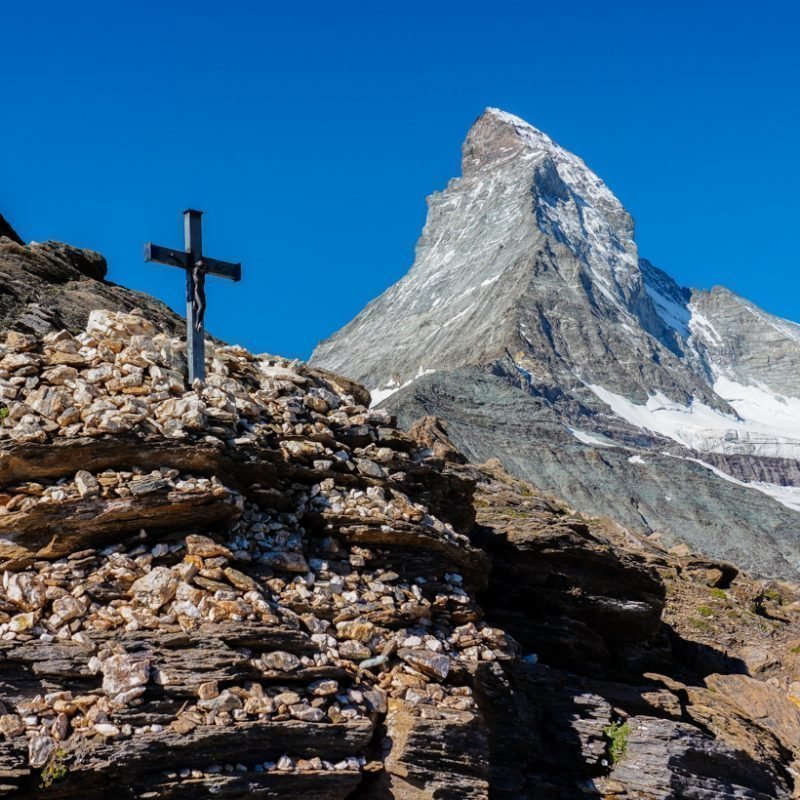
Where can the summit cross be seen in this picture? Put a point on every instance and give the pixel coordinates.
(196, 266)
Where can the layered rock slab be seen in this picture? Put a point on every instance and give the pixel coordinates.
(52, 286)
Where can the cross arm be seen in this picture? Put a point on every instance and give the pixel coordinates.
(224, 269)
(178, 258)
(163, 255)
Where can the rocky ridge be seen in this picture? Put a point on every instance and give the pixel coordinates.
(257, 586)
(643, 658)
(529, 322)
(52, 286)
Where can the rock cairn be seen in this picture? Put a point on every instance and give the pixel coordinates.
(122, 376)
(165, 605)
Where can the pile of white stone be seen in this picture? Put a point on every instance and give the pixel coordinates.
(183, 583)
(377, 503)
(121, 375)
(284, 764)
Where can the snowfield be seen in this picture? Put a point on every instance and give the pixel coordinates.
(767, 424)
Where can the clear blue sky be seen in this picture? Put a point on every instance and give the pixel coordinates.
(310, 133)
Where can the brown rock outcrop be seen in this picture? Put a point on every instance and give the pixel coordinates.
(633, 681)
(223, 591)
(52, 286)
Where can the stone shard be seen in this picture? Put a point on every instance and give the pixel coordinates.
(286, 561)
(87, 484)
(40, 751)
(155, 588)
(283, 662)
(25, 590)
(435, 665)
(125, 677)
(206, 547)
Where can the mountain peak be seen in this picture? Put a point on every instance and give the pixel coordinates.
(528, 321)
(498, 135)
(527, 219)
(522, 127)
(502, 141)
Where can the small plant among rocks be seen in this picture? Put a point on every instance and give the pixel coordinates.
(617, 734)
(56, 770)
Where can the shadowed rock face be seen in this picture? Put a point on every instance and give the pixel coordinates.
(51, 286)
(670, 657)
(529, 322)
(7, 231)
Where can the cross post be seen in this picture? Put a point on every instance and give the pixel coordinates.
(196, 266)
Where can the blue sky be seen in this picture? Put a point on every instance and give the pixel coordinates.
(311, 132)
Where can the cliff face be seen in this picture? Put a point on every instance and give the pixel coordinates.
(625, 702)
(530, 323)
(261, 588)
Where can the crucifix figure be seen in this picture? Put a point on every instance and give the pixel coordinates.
(196, 266)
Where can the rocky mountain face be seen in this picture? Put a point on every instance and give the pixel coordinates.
(259, 587)
(530, 323)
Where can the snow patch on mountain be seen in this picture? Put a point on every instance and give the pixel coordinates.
(761, 406)
(388, 389)
(788, 496)
(700, 327)
(767, 424)
(588, 438)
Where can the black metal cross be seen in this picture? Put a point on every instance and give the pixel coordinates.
(197, 266)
